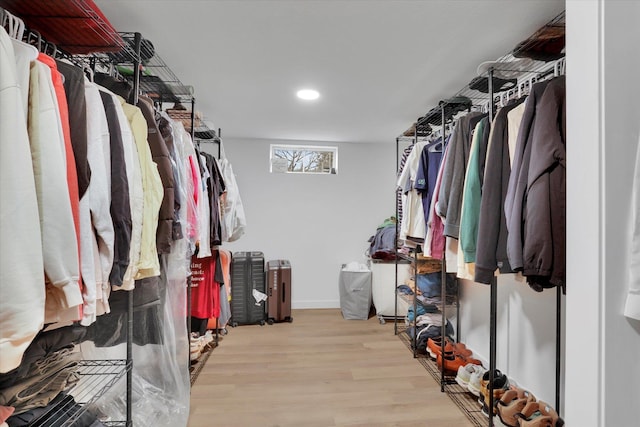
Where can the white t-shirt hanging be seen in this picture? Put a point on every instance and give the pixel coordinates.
(632, 307)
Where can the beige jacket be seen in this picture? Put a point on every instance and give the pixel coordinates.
(147, 265)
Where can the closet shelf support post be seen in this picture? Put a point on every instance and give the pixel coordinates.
(558, 344)
(443, 275)
(395, 246)
(494, 297)
(137, 42)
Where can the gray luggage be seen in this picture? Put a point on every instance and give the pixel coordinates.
(247, 274)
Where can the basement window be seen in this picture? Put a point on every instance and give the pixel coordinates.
(304, 159)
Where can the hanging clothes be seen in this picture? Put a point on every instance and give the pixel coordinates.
(427, 173)
(215, 187)
(22, 290)
(206, 275)
(450, 198)
(233, 215)
(544, 213)
(120, 201)
(59, 239)
(148, 264)
(97, 232)
(632, 305)
(492, 229)
(193, 208)
(514, 121)
(161, 158)
(204, 218)
(60, 101)
(518, 178)
(472, 192)
(435, 241)
(413, 225)
(74, 92)
(167, 132)
(400, 191)
(135, 191)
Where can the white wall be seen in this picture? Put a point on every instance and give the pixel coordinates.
(525, 331)
(603, 121)
(318, 222)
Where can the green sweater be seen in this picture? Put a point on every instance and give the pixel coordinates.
(471, 197)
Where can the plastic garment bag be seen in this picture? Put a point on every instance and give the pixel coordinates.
(161, 383)
(233, 217)
(161, 379)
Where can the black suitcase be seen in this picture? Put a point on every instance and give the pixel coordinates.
(279, 291)
(247, 274)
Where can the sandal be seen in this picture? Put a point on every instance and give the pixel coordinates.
(511, 403)
(538, 414)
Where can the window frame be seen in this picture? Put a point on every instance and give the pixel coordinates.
(283, 167)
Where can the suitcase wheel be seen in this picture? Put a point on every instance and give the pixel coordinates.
(234, 324)
(289, 319)
(270, 321)
(262, 322)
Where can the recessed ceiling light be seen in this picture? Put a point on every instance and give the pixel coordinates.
(308, 94)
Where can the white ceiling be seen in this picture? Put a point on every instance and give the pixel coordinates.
(378, 64)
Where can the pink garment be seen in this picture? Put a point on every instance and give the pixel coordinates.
(192, 209)
(5, 413)
(438, 240)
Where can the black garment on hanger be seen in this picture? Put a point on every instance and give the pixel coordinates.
(119, 87)
(167, 134)
(74, 91)
(215, 188)
(110, 329)
(162, 159)
(120, 205)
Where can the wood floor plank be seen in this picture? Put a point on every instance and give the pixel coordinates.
(320, 370)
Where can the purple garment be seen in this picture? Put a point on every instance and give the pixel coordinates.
(428, 173)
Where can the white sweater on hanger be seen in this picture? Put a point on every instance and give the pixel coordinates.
(632, 307)
(96, 226)
(59, 242)
(22, 290)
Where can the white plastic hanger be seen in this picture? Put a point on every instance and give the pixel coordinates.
(15, 31)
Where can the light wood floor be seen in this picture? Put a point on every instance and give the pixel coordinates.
(320, 370)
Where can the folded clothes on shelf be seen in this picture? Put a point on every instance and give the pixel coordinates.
(405, 290)
(45, 379)
(57, 413)
(430, 284)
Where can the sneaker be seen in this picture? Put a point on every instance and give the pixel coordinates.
(434, 348)
(512, 402)
(196, 346)
(208, 341)
(464, 374)
(500, 386)
(451, 363)
(538, 414)
(475, 380)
